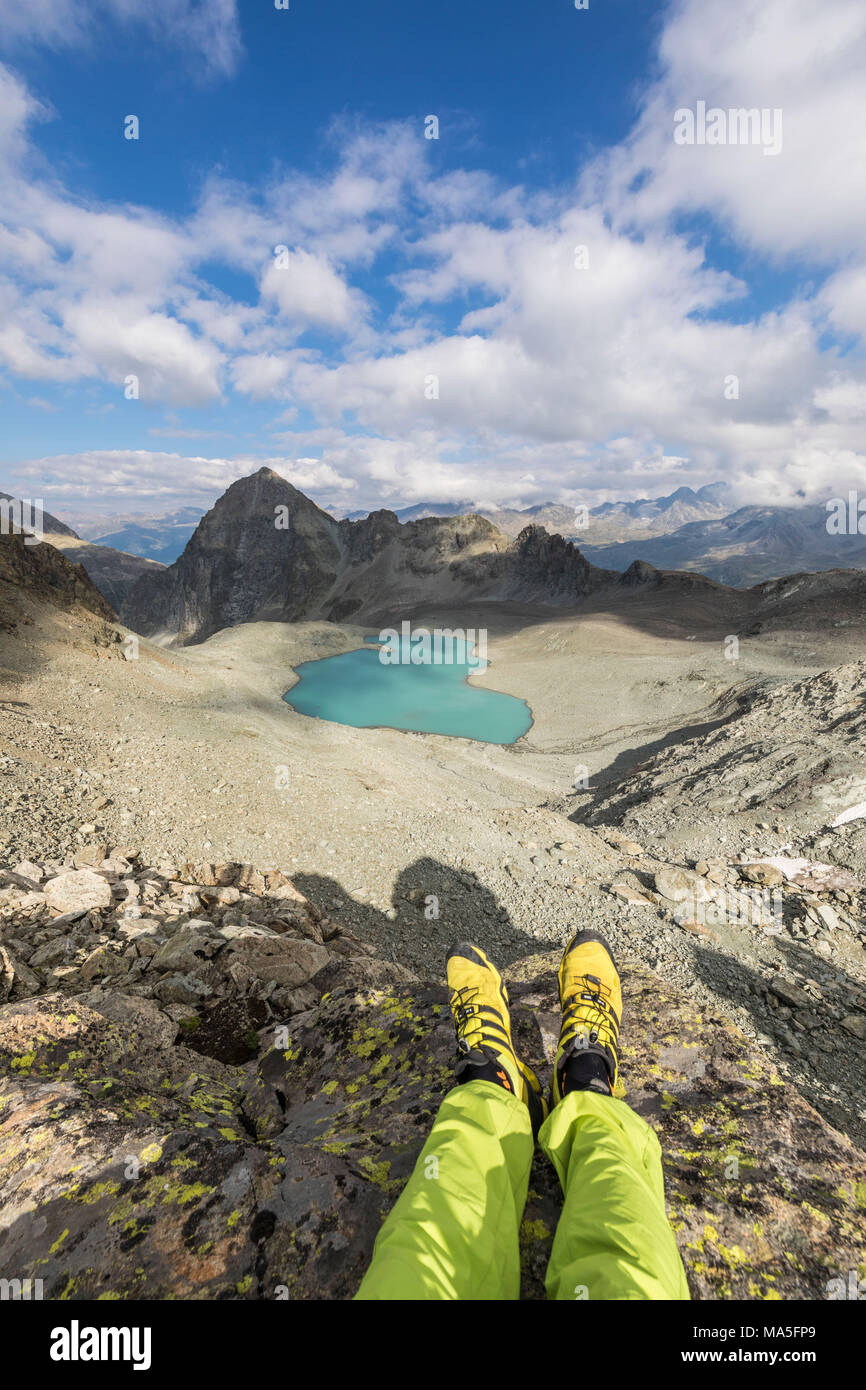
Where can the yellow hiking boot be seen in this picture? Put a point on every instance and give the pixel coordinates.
(590, 996)
(482, 1020)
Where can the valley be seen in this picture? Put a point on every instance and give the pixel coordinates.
(195, 756)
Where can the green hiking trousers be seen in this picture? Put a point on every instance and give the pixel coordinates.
(453, 1232)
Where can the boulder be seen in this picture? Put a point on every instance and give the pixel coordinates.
(27, 869)
(54, 952)
(628, 894)
(152, 1026)
(765, 875)
(189, 948)
(80, 890)
(102, 961)
(182, 989)
(678, 885)
(281, 959)
(790, 993)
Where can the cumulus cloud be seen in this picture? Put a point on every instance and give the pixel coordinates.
(802, 59)
(307, 289)
(510, 346)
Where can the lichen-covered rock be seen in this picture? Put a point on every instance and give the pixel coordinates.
(135, 1169)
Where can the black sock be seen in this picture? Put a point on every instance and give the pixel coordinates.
(585, 1071)
(483, 1071)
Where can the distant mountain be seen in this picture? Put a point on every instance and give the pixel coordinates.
(690, 530)
(652, 516)
(418, 510)
(749, 546)
(159, 538)
(242, 565)
(610, 521)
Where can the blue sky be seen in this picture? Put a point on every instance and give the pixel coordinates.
(428, 333)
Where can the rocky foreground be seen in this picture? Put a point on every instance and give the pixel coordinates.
(209, 1090)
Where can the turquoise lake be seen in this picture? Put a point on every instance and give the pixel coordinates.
(358, 689)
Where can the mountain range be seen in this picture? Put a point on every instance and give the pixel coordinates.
(160, 538)
(265, 552)
(646, 516)
(750, 545)
(163, 538)
(688, 530)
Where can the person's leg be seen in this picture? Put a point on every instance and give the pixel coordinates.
(613, 1240)
(453, 1232)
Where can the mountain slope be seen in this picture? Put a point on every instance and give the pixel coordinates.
(797, 748)
(40, 574)
(114, 572)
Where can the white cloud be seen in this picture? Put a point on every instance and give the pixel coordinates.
(122, 338)
(208, 28)
(308, 290)
(18, 109)
(561, 378)
(807, 60)
(154, 478)
(261, 374)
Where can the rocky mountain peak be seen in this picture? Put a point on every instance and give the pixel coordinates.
(266, 552)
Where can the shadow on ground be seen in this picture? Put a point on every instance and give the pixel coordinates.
(434, 906)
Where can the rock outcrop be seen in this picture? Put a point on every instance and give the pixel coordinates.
(204, 943)
(221, 1097)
